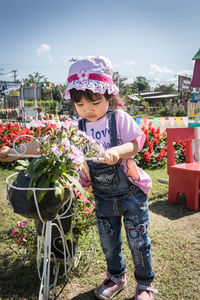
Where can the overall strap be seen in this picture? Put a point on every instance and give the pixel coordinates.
(111, 124)
(112, 128)
(81, 125)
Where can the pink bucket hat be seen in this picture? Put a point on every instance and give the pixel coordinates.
(93, 73)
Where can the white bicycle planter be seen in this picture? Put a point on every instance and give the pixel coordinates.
(48, 264)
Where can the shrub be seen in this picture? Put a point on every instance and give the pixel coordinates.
(48, 106)
(167, 113)
(180, 113)
(154, 152)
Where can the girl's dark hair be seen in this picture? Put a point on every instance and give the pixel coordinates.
(76, 96)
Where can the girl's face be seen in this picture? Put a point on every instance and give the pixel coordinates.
(92, 110)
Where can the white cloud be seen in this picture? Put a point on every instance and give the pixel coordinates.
(185, 73)
(172, 80)
(155, 69)
(43, 49)
(44, 52)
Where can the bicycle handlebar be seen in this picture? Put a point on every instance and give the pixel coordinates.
(38, 155)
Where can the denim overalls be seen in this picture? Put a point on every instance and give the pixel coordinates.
(115, 196)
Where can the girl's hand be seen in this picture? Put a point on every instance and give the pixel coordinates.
(111, 157)
(4, 155)
(126, 150)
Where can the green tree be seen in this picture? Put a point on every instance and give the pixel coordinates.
(140, 85)
(58, 93)
(124, 88)
(168, 89)
(36, 78)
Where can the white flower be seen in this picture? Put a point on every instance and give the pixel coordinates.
(66, 144)
(83, 75)
(70, 123)
(37, 124)
(56, 150)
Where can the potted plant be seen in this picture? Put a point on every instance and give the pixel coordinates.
(62, 148)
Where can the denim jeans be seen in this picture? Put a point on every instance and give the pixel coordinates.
(116, 196)
(134, 209)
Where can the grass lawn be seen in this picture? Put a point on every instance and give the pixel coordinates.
(175, 237)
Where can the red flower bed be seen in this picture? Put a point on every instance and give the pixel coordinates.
(9, 132)
(152, 156)
(154, 152)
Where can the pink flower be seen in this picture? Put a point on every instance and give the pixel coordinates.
(14, 232)
(93, 203)
(21, 239)
(85, 200)
(22, 223)
(88, 211)
(78, 194)
(76, 155)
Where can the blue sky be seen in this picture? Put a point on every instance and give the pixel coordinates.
(156, 39)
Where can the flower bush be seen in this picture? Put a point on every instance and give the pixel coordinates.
(24, 236)
(154, 152)
(9, 132)
(86, 212)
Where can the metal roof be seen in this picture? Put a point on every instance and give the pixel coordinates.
(161, 96)
(148, 93)
(133, 97)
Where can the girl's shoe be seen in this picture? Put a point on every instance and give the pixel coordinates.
(148, 288)
(110, 287)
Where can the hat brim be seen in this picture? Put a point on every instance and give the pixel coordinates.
(93, 85)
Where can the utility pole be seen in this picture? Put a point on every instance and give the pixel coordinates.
(14, 74)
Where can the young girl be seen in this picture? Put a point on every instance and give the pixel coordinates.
(120, 188)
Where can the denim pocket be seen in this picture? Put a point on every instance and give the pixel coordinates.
(105, 208)
(140, 198)
(105, 179)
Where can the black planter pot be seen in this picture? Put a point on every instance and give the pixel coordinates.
(57, 247)
(49, 206)
(66, 222)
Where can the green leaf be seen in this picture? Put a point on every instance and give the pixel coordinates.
(29, 194)
(43, 183)
(37, 162)
(74, 181)
(58, 189)
(20, 168)
(57, 173)
(35, 177)
(23, 162)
